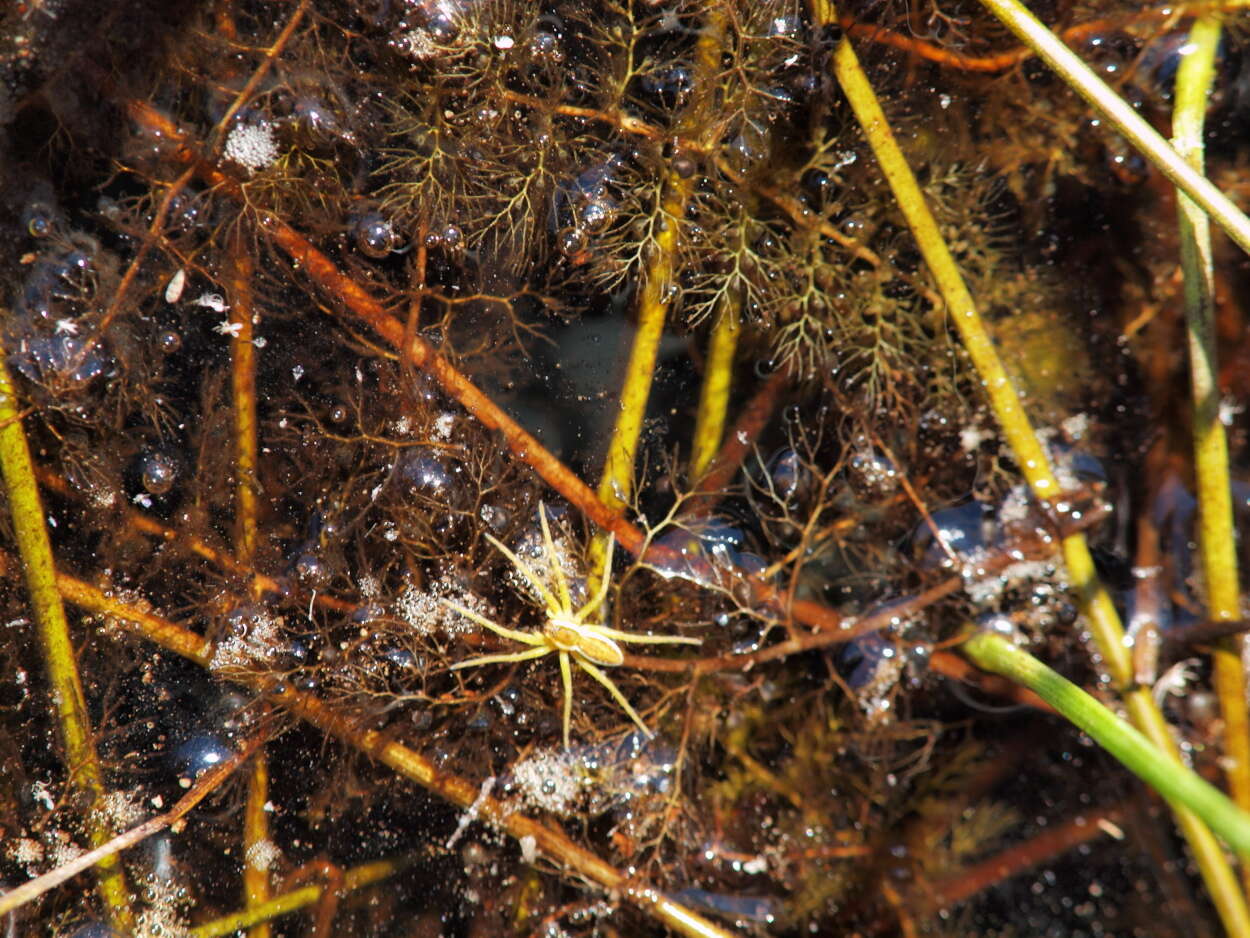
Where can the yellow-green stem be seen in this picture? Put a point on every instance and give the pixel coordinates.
(709, 424)
(656, 293)
(256, 843)
(260, 915)
(657, 290)
(38, 566)
(1177, 784)
(1120, 115)
(1096, 602)
(256, 885)
(1215, 510)
(243, 396)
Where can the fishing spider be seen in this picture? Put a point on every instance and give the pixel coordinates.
(567, 632)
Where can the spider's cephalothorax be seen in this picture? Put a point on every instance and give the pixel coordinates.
(567, 632)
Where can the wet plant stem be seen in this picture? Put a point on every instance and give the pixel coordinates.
(1096, 603)
(1121, 116)
(256, 885)
(243, 401)
(1043, 848)
(753, 416)
(356, 878)
(656, 291)
(654, 295)
(1001, 61)
(550, 841)
(1178, 784)
(39, 569)
(709, 427)
(1216, 541)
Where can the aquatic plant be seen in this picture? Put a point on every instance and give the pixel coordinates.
(316, 322)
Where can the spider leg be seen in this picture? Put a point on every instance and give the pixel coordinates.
(553, 561)
(525, 638)
(638, 639)
(503, 659)
(549, 600)
(602, 592)
(616, 694)
(566, 675)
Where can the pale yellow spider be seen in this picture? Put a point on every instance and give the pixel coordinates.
(566, 632)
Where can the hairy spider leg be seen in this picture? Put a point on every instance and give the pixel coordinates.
(616, 694)
(566, 675)
(504, 658)
(527, 638)
(553, 562)
(549, 600)
(638, 639)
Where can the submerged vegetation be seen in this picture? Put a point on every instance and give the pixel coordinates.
(346, 341)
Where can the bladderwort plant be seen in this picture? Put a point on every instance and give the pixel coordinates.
(331, 328)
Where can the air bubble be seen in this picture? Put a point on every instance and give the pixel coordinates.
(39, 219)
(598, 214)
(159, 472)
(545, 47)
(374, 235)
(684, 165)
(572, 241)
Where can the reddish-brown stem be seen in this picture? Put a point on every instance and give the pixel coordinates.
(998, 61)
(1017, 859)
(205, 785)
(132, 270)
(739, 441)
(137, 521)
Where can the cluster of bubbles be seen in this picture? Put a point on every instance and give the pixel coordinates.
(375, 236)
(590, 207)
(47, 336)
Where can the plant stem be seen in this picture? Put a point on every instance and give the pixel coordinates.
(1216, 540)
(35, 549)
(1120, 114)
(243, 401)
(709, 426)
(256, 885)
(356, 878)
(1178, 784)
(659, 288)
(1095, 601)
